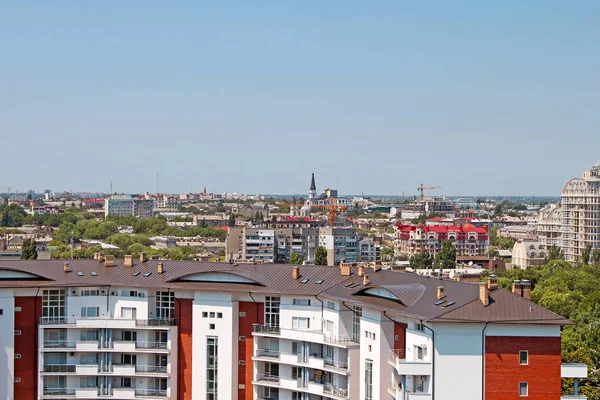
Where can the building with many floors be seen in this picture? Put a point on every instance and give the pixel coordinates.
(126, 205)
(145, 329)
(428, 205)
(277, 244)
(468, 239)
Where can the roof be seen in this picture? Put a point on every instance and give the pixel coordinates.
(409, 295)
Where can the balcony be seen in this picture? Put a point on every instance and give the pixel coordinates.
(267, 353)
(107, 322)
(268, 379)
(58, 392)
(59, 344)
(395, 389)
(151, 369)
(150, 393)
(59, 368)
(335, 391)
(268, 329)
(397, 359)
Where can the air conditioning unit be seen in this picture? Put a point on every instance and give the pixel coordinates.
(114, 293)
(103, 292)
(74, 292)
(141, 294)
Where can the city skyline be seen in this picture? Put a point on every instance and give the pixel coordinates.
(374, 98)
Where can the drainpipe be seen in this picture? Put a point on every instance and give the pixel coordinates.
(432, 360)
(483, 361)
(322, 310)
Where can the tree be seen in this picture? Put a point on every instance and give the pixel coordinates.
(555, 253)
(321, 256)
(421, 260)
(446, 258)
(586, 254)
(386, 253)
(29, 250)
(595, 258)
(296, 258)
(231, 222)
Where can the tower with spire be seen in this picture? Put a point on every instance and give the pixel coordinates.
(312, 192)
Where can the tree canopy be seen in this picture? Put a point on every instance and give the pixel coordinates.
(321, 256)
(296, 258)
(29, 250)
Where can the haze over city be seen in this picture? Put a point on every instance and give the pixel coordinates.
(375, 97)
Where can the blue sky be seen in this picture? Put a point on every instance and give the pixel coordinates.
(253, 96)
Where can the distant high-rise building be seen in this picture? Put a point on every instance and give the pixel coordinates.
(126, 205)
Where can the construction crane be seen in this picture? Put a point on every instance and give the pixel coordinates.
(422, 189)
(331, 206)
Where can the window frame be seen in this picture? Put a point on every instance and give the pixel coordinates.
(526, 389)
(526, 352)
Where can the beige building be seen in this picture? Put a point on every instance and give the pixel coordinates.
(550, 225)
(528, 253)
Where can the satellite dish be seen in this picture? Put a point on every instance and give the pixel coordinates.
(470, 263)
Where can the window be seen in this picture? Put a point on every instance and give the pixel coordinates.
(129, 293)
(165, 305)
(212, 354)
(523, 389)
(242, 314)
(356, 316)
(89, 312)
(89, 334)
(17, 309)
(330, 305)
(301, 302)
(419, 327)
(88, 381)
(295, 347)
(17, 380)
(296, 372)
(128, 313)
(300, 323)
(328, 325)
(125, 382)
(523, 357)
(368, 380)
(242, 362)
(219, 315)
(242, 338)
(17, 332)
(370, 348)
(128, 359)
(90, 292)
(204, 314)
(53, 303)
(272, 310)
(211, 327)
(129, 336)
(211, 315)
(17, 356)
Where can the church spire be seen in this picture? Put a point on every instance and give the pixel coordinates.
(312, 182)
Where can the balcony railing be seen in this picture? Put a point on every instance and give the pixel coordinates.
(59, 368)
(339, 339)
(151, 369)
(57, 344)
(267, 353)
(150, 393)
(394, 355)
(55, 391)
(330, 363)
(335, 391)
(258, 328)
(73, 321)
(151, 345)
(268, 378)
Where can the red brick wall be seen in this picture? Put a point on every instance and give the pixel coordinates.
(503, 371)
(26, 321)
(183, 314)
(400, 333)
(255, 314)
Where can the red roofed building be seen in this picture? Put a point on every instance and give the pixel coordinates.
(468, 239)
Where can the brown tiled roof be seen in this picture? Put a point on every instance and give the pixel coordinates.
(416, 294)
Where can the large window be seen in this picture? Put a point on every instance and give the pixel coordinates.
(89, 312)
(89, 334)
(523, 357)
(272, 310)
(523, 389)
(368, 380)
(53, 303)
(212, 353)
(356, 315)
(300, 323)
(165, 305)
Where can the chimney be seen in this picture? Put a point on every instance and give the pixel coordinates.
(154, 257)
(66, 267)
(516, 288)
(440, 292)
(100, 257)
(345, 269)
(377, 266)
(143, 257)
(526, 289)
(361, 270)
(366, 280)
(484, 294)
(296, 273)
(128, 261)
(109, 261)
(95, 255)
(160, 268)
(492, 282)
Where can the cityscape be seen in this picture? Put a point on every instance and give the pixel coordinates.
(300, 201)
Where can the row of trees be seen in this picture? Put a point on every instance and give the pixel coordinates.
(445, 258)
(320, 257)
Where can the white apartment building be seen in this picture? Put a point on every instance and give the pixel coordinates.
(138, 329)
(575, 224)
(126, 205)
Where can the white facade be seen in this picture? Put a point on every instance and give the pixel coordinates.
(7, 343)
(123, 205)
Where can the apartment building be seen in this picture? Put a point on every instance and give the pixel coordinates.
(549, 226)
(468, 239)
(428, 205)
(126, 205)
(369, 250)
(528, 253)
(278, 244)
(139, 329)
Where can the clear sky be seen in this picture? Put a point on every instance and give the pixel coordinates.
(374, 96)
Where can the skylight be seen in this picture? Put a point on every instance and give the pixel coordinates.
(449, 304)
(147, 274)
(79, 273)
(437, 303)
(135, 273)
(94, 273)
(319, 281)
(304, 281)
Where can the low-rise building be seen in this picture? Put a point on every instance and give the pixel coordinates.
(528, 253)
(518, 232)
(126, 205)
